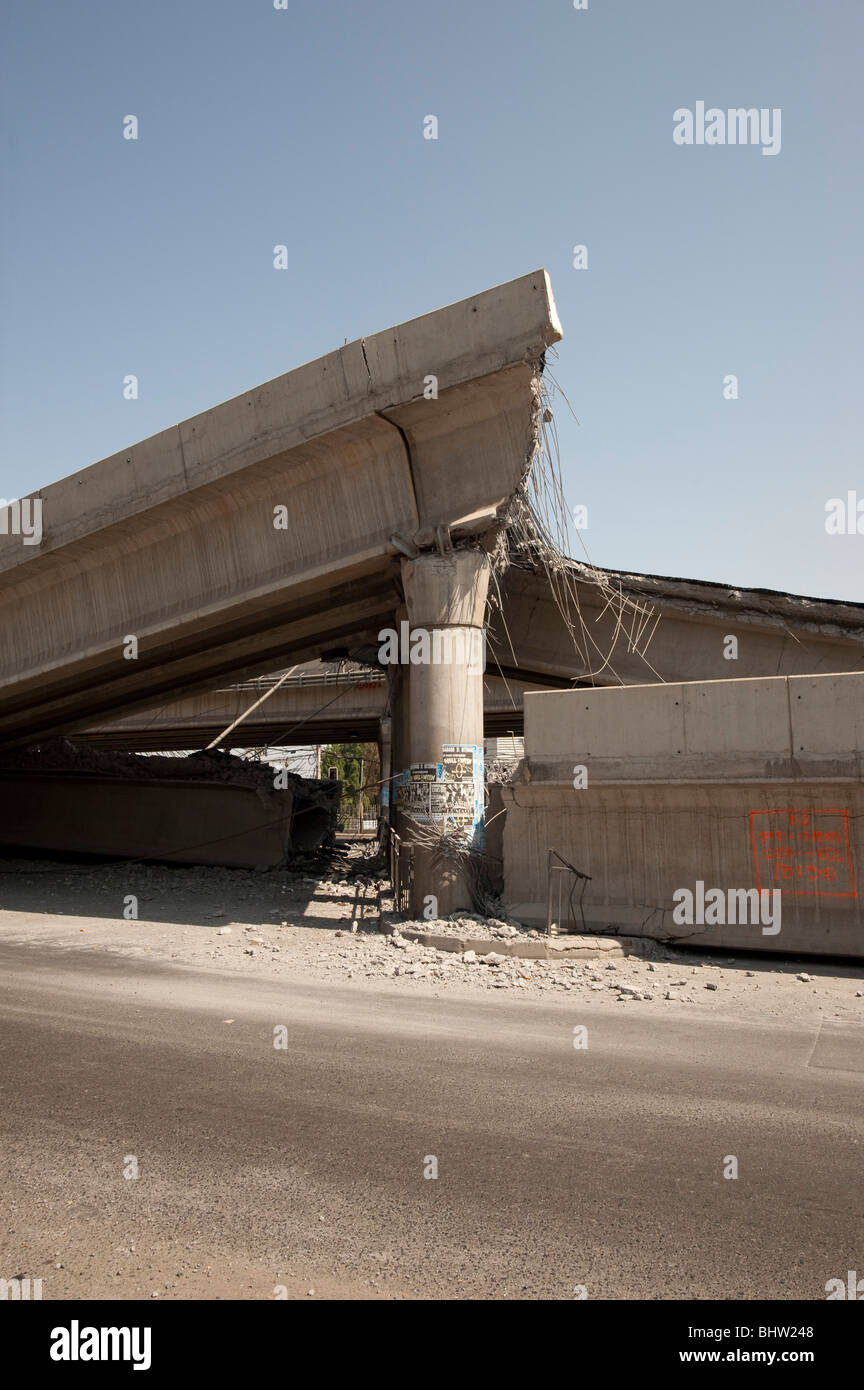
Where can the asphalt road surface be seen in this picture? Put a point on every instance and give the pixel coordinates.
(273, 1172)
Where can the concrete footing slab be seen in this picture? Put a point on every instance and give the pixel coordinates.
(555, 948)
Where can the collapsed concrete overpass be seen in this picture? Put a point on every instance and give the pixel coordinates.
(272, 527)
(365, 489)
(387, 483)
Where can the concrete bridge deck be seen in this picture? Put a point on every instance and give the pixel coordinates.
(179, 541)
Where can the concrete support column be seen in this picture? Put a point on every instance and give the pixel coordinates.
(446, 600)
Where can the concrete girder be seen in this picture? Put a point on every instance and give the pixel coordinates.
(175, 669)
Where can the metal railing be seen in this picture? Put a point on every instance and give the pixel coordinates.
(562, 880)
(401, 872)
(370, 677)
(352, 826)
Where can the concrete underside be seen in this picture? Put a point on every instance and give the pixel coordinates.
(669, 630)
(308, 713)
(530, 647)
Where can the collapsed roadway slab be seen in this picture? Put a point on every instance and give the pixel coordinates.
(614, 627)
(271, 526)
(210, 808)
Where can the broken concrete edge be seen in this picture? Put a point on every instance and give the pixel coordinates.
(59, 755)
(560, 948)
(57, 782)
(482, 335)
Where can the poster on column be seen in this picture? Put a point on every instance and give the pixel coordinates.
(460, 790)
(415, 792)
(448, 794)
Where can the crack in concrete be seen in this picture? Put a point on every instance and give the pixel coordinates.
(366, 360)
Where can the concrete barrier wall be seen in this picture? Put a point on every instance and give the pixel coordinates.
(754, 784)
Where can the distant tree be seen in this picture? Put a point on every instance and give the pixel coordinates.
(357, 768)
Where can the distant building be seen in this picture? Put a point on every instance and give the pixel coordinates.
(509, 749)
(301, 761)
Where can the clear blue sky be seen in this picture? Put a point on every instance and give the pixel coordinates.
(304, 127)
